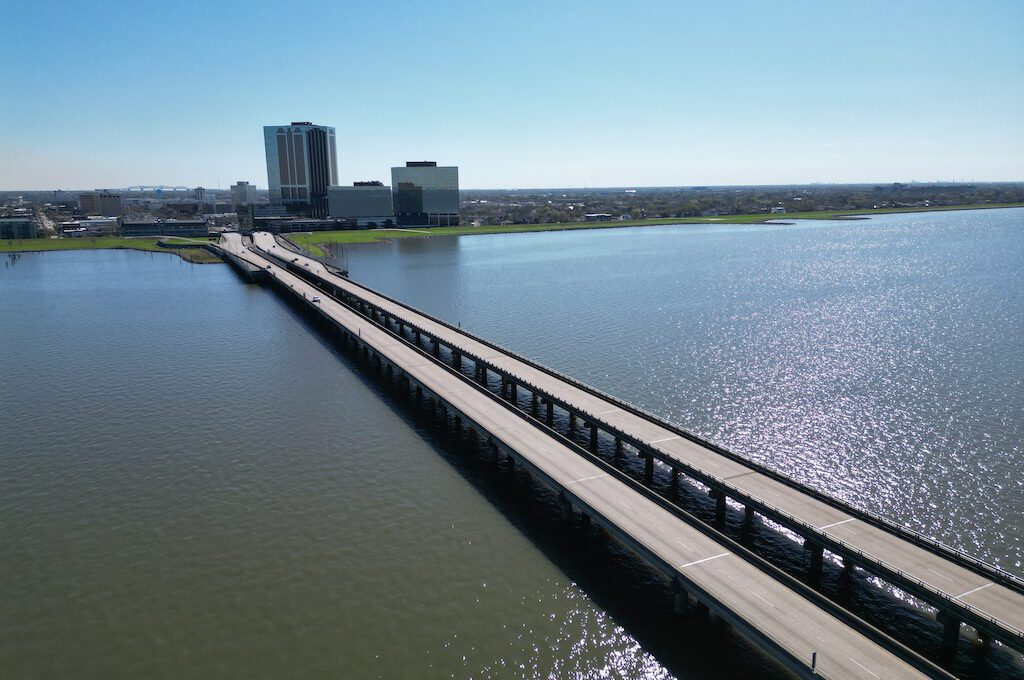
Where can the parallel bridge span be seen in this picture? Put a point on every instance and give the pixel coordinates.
(794, 624)
(961, 588)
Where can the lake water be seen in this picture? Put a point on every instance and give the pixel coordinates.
(193, 482)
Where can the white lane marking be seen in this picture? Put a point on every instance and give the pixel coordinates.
(835, 524)
(658, 441)
(763, 600)
(683, 544)
(973, 590)
(939, 573)
(624, 505)
(584, 479)
(706, 559)
(864, 667)
(601, 413)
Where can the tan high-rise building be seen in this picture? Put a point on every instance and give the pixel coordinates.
(301, 163)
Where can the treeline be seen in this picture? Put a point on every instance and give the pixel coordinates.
(545, 206)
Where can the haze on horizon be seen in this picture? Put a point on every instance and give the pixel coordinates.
(531, 95)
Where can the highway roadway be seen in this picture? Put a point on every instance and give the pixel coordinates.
(972, 595)
(752, 595)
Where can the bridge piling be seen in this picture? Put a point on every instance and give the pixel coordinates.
(550, 417)
(719, 505)
(566, 507)
(534, 404)
(950, 633)
(593, 436)
(648, 467)
(817, 561)
(680, 598)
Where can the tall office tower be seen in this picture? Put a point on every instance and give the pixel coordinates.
(425, 194)
(301, 164)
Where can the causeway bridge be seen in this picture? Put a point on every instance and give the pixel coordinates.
(793, 622)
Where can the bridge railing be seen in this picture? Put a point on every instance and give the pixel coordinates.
(963, 558)
(799, 657)
(789, 518)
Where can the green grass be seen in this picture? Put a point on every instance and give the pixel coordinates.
(108, 242)
(314, 242)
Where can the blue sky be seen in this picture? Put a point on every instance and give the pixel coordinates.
(518, 94)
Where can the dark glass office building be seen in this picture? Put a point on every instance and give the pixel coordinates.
(425, 194)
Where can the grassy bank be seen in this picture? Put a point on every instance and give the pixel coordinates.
(27, 245)
(314, 242)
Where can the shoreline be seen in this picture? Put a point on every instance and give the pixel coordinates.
(186, 249)
(313, 242)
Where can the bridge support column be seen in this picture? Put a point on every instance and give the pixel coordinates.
(681, 598)
(817, 561)
(572, 423)
(593, 436)
(950, 633)
(417, 338)
(401, 328)
(618, 446)
(534, 404)
(483, 375)
(436, 346)
(550, 417)
(648, 468)
(512, 394)
(719, 505)
(457, 360)
(748, 516)
(566, 507)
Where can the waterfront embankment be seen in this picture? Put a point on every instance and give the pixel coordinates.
(313, 242)
(189, 249)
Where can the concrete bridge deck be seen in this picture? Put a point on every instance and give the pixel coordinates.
(961, 588)
(790, 621)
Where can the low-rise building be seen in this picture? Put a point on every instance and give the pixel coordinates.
(285, 225)
(18, 227)
(90, 226)
(364, 204)
(188, 228)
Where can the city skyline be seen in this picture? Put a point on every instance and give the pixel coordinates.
(531, 96)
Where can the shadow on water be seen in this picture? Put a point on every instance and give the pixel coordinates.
(631, 591)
